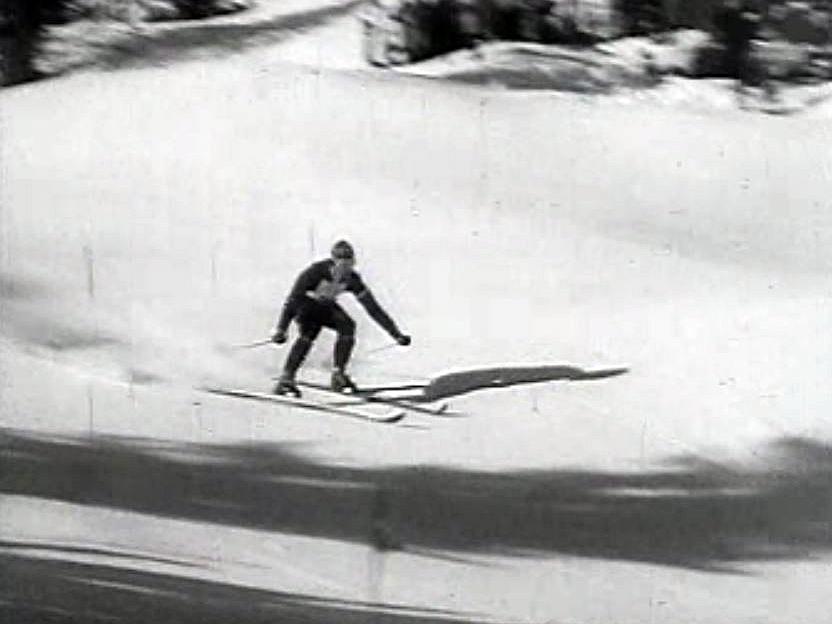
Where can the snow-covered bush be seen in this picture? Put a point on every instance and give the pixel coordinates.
(22, 23)
(150, 10)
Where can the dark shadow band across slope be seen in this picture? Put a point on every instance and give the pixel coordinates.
(692, 514)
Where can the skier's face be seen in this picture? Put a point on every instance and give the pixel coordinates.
(342, 268)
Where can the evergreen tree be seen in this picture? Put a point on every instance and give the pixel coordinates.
(21, 31)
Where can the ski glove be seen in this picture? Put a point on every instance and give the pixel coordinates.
(279, 336)
(403, 340)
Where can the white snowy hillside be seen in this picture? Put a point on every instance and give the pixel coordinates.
(624, 300)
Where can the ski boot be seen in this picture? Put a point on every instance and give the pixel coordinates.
(341, 382)
(286, 386)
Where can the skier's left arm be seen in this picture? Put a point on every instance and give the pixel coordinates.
(378, 314)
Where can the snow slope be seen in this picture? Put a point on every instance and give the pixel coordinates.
(156, 216)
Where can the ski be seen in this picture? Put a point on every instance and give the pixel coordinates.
(402, 387)
(352, 412)
(369, 396)
(375, 388)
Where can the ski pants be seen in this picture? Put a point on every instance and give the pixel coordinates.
(312, 318)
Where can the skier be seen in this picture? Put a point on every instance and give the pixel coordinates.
(312, 303)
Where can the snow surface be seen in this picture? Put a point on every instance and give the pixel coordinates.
(152, 219)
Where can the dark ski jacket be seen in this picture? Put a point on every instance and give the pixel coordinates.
(315, 285)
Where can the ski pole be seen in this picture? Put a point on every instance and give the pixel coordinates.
(251, 345)
(382, 348)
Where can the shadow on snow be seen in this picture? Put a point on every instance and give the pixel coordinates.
(690, 513)
(462, 382)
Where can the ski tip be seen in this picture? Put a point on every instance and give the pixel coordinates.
(394, 418)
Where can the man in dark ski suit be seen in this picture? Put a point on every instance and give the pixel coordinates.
(312, 303)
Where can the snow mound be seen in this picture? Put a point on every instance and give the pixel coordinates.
(534, 66)
(629, 71)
